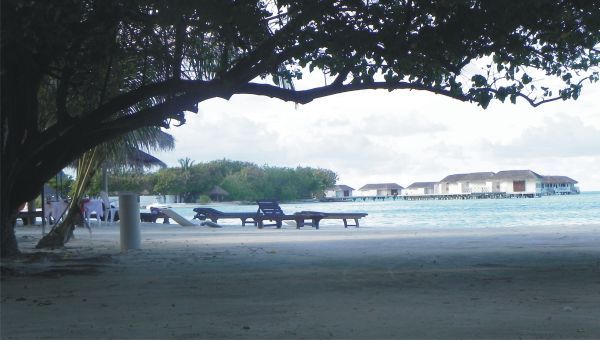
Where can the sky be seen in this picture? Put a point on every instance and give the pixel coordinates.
(376, 136)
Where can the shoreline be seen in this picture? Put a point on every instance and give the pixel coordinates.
(369, 282)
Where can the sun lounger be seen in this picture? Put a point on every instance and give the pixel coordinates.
(178, 218)
(151, 216)
(256, 218)
(271, 211)
(214, 215)
(339, 216)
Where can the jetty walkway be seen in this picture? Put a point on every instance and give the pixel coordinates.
(465, 196)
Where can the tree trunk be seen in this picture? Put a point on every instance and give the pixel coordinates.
(58, 236)
(20, 80)
(9, 246)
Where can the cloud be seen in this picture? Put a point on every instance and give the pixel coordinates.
(224, 135)
(391, 124)
(563, 136)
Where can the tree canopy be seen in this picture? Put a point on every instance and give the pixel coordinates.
(76, 73)
(244, 181)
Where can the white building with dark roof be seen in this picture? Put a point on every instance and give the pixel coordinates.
(559, 185)
(518, 182)
(380, 189)
(475, 182)
(339, 191)
(419, 188)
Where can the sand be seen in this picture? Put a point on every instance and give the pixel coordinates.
(370, 282)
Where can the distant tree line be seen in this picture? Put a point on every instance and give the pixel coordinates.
(244, 181)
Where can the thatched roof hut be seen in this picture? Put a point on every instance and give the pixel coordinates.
(139, 158)
(217, 193)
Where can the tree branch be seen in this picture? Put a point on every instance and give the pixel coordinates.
(61, 95)
(531, 101)
(306, 96)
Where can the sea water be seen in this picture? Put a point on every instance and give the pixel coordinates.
(569, 210)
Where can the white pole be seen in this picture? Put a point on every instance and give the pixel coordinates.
(129, 214)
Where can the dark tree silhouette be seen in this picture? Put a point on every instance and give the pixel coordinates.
(79, 73)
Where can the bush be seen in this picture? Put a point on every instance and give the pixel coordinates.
(203, 199)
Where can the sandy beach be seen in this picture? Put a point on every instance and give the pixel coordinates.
(370, 282)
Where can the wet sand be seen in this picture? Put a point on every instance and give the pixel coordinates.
(370, 282)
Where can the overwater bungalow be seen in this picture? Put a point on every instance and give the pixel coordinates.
(475, 182)
(475, 185)
(338, 191)
(380, 190)
(521, 182)
(559, 185)
(419, 188)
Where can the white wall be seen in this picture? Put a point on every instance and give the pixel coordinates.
(413, 191)
(530, 187)
(479, 187)
(366, 192)
(337, 193)
(438, 188)
(417, 191)
(454, 188)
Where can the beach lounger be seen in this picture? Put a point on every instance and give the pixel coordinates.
(214, 215)
(339, 216)
(178, 218)
(271, 211)
(150, 216)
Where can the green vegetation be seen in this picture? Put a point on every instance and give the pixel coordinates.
(242, 180)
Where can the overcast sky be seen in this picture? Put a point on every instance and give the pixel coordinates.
(401, 136)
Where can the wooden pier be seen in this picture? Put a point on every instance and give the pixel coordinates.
(465, 196)
(470, 196)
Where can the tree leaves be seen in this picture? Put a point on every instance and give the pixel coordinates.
(243, 180)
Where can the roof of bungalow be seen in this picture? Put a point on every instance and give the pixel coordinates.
(558, 180)
(381, 186)
(417, 185)
(217, 190)
(341, 187)
(517, 175)
(473, 176)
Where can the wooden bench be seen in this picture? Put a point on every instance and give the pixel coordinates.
(214, 215)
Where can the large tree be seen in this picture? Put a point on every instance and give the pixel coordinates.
(149, 61)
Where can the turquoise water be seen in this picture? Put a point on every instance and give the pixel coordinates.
(549, 210)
